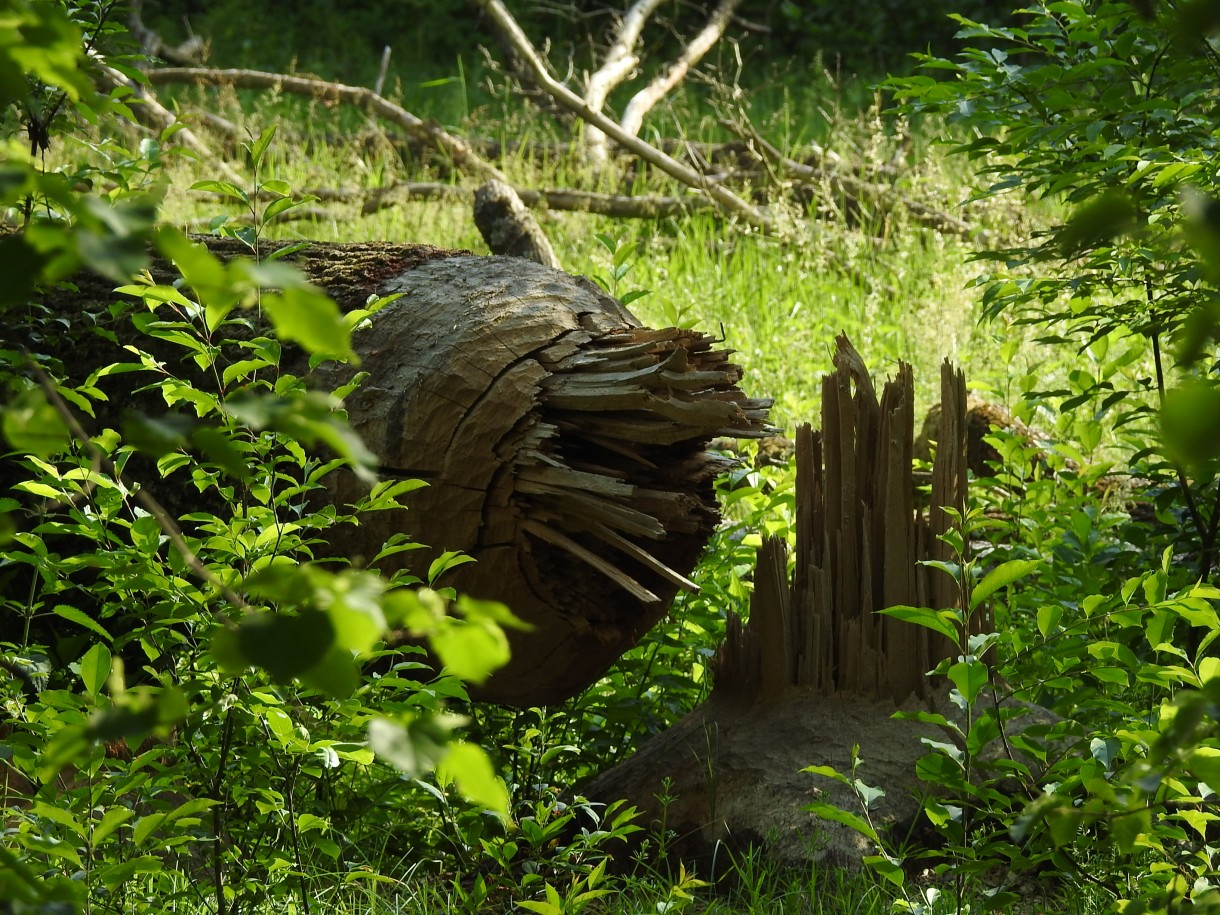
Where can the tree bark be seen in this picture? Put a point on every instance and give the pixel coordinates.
(508, 227)
(563, 442)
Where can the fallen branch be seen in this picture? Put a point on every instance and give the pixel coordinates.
(646, 99)
(621, 60)
(753, 215)
(430, 132)
(615, 205)
(850, 186)
(156, 116)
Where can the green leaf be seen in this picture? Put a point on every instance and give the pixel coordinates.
(1127, 826)
(827, 772)
(336, 674)
(888, 868)
(23, 268)
(969, 677)
(308, 316)
(1048, 619)
(942, 621)
(835, 815)
(217, 446)
(1096, 222)
(60, 815)
(470, 650)
(1190, 421)
(116, 874)
(260, 145)
(95, 669)
(470, 768)
(277, 187)
(112, 819)
(284, 645)
(33, 426)
(243, 369)
(1002, 576)
(146, 826)
(283, 205)
(413, 744)
(81, 619)
(447, 560)
(224, 188)
(1204, 762)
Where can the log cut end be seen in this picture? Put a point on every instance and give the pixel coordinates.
(565, 448)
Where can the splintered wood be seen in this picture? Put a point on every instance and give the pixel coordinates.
(859, 540)
(566, 451)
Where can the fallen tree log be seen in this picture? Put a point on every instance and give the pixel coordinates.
(563, 442)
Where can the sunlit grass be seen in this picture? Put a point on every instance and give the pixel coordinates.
(898, 290)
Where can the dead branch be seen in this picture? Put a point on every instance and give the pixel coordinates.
(753, 215)
(463, 155)
(614, 205)
(850, 186)
(621, 60)
(646, 99)
(188, 54)
(508, 227)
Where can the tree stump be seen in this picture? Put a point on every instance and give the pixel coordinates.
(816, 671)
(564, 444)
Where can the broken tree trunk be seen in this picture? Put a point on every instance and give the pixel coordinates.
(563, 442)
(816, 671)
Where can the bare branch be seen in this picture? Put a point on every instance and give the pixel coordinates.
(852, 187)
(621, 60)
(615, 205)
(646, 99)
(753, 215)
(463, 155)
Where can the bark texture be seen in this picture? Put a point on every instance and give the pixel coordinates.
(509, 227)
(564, 444)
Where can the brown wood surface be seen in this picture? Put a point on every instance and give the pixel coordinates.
(858, 549)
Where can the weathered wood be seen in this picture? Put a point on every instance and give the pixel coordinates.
(564, 445)
(508, 227)
(816, 671)
(859, 546)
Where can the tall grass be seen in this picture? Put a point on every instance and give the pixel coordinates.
(898, 290)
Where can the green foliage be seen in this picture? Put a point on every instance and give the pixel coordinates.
(1108, 107)
(214, 633)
